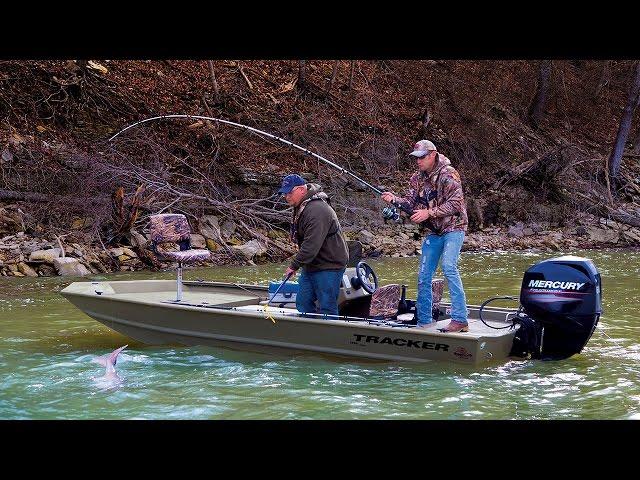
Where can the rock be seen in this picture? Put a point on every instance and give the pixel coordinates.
(556, 236)
(70, 267)
(96, 264)
(209, 226)
(250, 249)
(80, 223)
(366, 237)
(632, 236)
(124, 258)
(129, 252)
(516, 230)
(227, 229)
(116, 252)
(581, 231)
(139, 239)
(605, 222)
(528, 231)
(198, 241)
(46, 270)
(551, 244)
(46, 256)
(18, 274)
(601, 235)
(212, 245)
(27, 270)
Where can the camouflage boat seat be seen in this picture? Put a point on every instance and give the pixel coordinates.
(385, 300)
(171, 240)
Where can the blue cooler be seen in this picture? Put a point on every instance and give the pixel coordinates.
(286, 294)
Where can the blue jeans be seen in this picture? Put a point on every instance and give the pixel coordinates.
(324, 286)
(434, 248)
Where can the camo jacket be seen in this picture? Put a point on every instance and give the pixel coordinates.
(441, 191)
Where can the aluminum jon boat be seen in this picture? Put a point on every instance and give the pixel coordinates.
(560, 305)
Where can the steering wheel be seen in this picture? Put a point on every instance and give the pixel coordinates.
(366, 277)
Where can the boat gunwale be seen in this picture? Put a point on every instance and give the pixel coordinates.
(359, 322)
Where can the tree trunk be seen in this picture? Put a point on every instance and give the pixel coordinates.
(604, 79)
(625, 124)
(301, 72)
(424, 124)
(351, 69)
(539, 99)
(334, 72)
(216, 91)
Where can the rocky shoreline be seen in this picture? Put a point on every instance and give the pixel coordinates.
(25, 253)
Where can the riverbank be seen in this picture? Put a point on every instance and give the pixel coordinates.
(26, 252)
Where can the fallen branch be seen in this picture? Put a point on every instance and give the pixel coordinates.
(68, 200)
(245, 77)
(610, 212)
(61, 247)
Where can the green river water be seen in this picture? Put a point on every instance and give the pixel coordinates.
(46, 347)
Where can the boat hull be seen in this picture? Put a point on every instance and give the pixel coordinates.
(218, 314)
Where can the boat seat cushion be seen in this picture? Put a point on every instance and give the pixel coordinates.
(185, 256)
(169, 227)
(385, 300)
(171, 237)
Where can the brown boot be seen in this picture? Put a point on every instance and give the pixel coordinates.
(455, 327)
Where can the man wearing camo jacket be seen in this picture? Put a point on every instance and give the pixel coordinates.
(436, 198)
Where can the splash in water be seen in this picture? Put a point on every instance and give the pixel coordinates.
(110, 378)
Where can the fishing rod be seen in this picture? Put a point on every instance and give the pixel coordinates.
(280, 287)
(389, 213)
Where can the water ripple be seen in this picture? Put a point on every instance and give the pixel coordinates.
(47, 373)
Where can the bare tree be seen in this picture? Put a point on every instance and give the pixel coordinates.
(625, 125)
(334, 72)
(216, 90)
(301, 72)
(351, 69)
(604, 79)
(539, 99)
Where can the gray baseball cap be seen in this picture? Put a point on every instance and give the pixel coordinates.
(421, 148)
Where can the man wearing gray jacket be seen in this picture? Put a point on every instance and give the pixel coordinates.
(323, 252)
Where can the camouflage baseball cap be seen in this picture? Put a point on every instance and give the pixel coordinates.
(423, 147)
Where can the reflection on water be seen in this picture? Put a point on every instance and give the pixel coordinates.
(47, 345)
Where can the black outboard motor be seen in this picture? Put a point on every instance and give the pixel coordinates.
(562, 302)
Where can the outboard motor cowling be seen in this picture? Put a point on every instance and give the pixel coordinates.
(563, 297)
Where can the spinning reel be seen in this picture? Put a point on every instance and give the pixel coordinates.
(391, 213)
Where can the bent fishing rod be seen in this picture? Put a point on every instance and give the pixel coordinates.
(389, 213)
